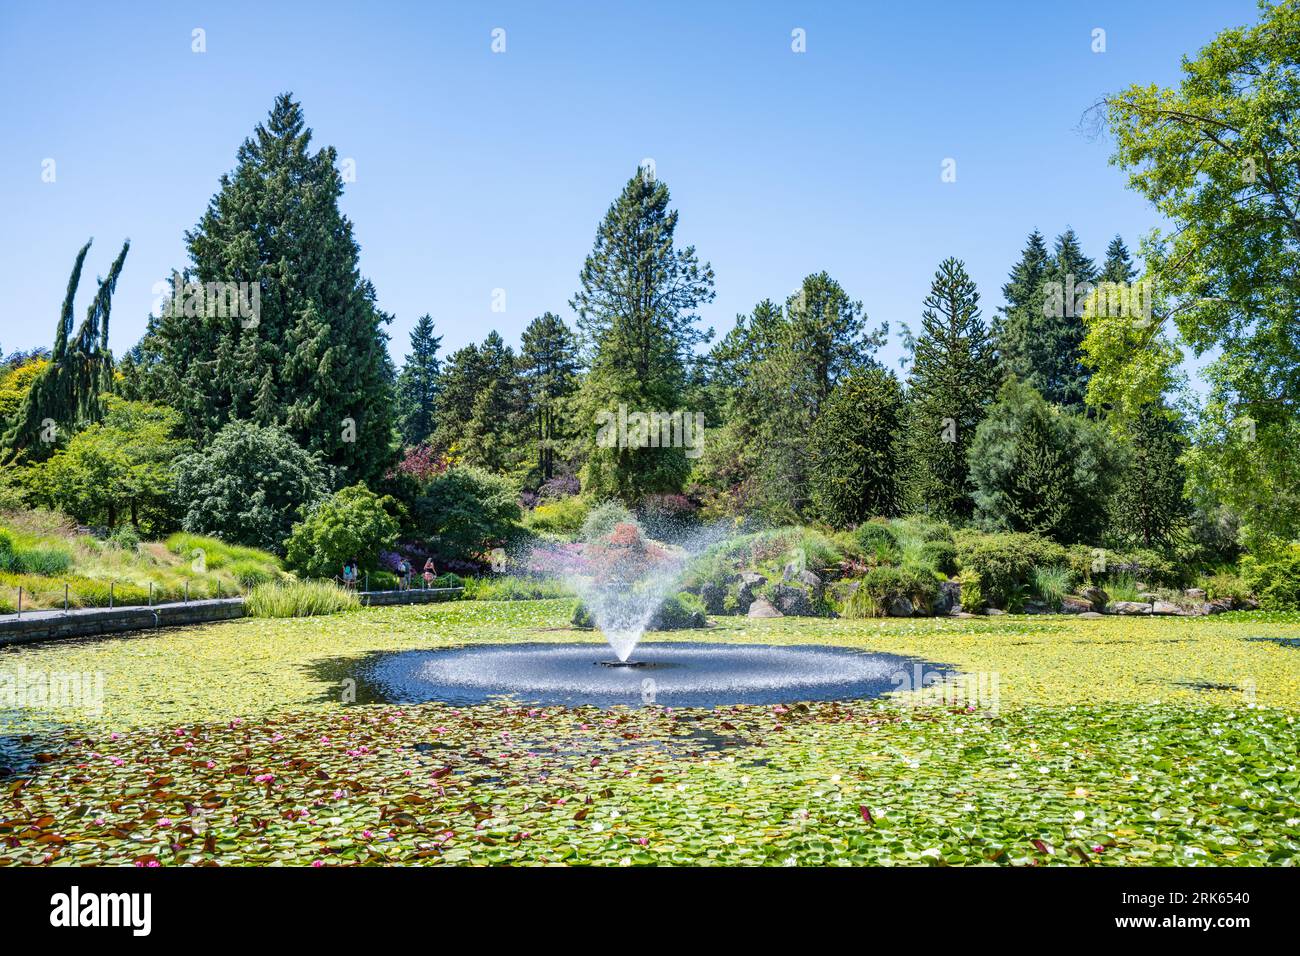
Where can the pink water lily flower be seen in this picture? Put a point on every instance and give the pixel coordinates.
(264, 778)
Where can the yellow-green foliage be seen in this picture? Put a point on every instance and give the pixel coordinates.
(48, 554)
(300, 599)
(564, 516)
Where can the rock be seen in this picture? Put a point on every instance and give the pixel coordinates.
(1195, 594)
(794, 599)
(749, 583)
(959, 613)
(1165, 607)
(900, 607)
(1035, 607)
(713, 595)
(1091, 616)
(1248, 604)
(1128, 607)
(1072, 604)
(1197, 610)
(949, 597)
(1218, 606)
(809, 580)
(1096, 597)
(994, 612)
(762, 607)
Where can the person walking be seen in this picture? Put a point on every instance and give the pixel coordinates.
(430, 572)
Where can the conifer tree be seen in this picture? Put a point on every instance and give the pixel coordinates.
(1148, 507)
(548, 362)
(954, 379)
(636, 309)
(417, 385)
(69, 390)
(1118, 266)
(312, 356)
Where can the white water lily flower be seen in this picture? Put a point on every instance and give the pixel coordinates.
(932, 852)
(1079, 814)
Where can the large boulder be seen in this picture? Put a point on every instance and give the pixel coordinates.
(1195, 594)
(1073, 604)
(1165, 608)
(1096, 597)
(762, 607)
(1091, 616)
(900, 607)
(1218, 605)
(797, 600)
(747, 587)
(713, 595)
(1128, 607)
(949, 597)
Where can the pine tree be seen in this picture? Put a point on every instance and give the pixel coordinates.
(1119, 264)
(1043, 327)
(954, 379)
(548, 362)
(636, 309)
(857, 465)
(1148, 507)
(312, 354)
(69, 391)
(417, 385)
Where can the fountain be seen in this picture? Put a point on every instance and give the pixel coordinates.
(623, 578)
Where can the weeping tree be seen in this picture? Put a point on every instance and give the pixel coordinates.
(69, 390)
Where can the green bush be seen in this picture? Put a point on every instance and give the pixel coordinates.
(1224, 584)
(885, 584)
(1005, 562)
(859, 605)
(353, 523)
(466, 512)
(1275, 579)
(582, 617)
(125, 538)
(972, 594)
(563, 517)
(874, 535)
(602, 518)
(39, 559)
(249, 485)
(300, 599)
(514, 588)
(940, 555)
(679, 611)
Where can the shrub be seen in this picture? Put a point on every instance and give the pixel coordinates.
(351, 524)
(249, 485)
(300, 599)
(859, 605)
(467, 512)
(1122, 587)
(1224, 584)
(126, 538)
(884, 585)
(1275, 579)
(873, 535)
(972, 595)
(679, 611)
(582, 617)
(563, 516)
(1005, 562)
(602, 519)
(940, 555)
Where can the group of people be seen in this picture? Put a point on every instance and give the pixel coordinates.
(352, 574)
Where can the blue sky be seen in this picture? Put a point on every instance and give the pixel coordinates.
(479, 170)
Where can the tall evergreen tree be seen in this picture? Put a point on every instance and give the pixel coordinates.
(1118, 266)
(636, 309)
(1148, 507)
(954, 379)
(1040, 335)
(417, 385)
(481, 411)
(69, 391)
(548, 362)
(313, 355)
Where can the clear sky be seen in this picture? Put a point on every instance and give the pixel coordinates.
(478, 170)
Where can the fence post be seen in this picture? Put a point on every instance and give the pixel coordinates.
(65, 597)
(367, 580)
(110, 594)
(187, 590)
(20, 601)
